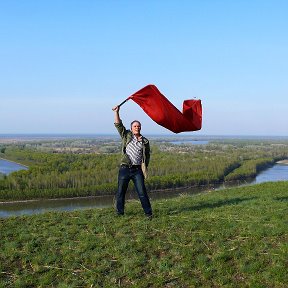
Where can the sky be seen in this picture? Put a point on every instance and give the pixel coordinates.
(65, 63)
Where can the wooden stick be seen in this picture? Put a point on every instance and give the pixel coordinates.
(123, 102)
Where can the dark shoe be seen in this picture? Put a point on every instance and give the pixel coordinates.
(119, 214)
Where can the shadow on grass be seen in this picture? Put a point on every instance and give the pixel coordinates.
(234, 201)
(284, 199)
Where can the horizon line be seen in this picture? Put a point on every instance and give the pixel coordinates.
(149, 134)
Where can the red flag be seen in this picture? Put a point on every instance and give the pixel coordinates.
(163, 112)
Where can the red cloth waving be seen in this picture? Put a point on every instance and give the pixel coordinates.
(163, 112)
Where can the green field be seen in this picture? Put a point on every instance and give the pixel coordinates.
(231, 238)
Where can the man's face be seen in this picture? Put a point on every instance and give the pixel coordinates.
(136, 128)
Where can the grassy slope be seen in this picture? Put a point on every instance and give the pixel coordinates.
(231, 238)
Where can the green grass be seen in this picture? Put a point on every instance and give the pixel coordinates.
(231, 238)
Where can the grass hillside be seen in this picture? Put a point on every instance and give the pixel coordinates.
(231, 238)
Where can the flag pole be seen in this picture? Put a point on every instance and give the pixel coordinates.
(123, 102)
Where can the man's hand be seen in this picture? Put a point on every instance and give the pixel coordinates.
(116, 109)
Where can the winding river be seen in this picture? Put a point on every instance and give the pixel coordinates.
(279, 172)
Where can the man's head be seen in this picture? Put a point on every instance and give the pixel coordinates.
(136, 127)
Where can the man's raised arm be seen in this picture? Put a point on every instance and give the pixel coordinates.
(117, 119)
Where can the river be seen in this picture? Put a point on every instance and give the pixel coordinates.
(279, 172)
(7, 167)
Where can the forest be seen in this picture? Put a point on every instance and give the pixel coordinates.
(55, 173)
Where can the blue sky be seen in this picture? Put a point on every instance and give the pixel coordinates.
(65, 64)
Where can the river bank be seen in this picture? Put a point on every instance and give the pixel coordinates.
(278, 172)
(38, 206)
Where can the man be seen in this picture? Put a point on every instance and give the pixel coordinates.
(135, 152)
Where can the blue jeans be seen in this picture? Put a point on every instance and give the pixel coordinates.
(124, 176)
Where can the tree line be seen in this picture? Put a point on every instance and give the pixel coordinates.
(53, 175)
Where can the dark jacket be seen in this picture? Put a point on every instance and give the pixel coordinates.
(126, 136)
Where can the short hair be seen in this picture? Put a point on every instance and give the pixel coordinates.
(134, 122)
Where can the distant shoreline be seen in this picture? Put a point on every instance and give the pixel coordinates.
(5, 137)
